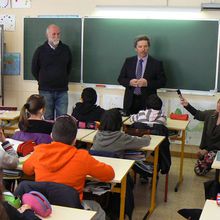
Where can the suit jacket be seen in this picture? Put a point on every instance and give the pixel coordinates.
(154, 74)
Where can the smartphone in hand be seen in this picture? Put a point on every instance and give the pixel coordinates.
(179, 93)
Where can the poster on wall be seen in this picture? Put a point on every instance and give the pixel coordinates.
(5, 4)
(8, 22)
(20, 3)
(11, 64)
(112, 101)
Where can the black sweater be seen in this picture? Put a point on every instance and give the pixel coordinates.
(87, 112)
(51, 67)
(37, 126)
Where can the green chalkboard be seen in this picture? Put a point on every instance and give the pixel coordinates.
(34, 36)
(188, 49)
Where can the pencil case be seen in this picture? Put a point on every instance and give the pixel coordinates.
(183, 117)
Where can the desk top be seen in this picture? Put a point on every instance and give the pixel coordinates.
(89, 137)
(216, 164)
(60, 212)
(14, 143)
(154, 142)
(177, 124)
(171, 124)
(81, 133)
(9, 115)
(210, 211)
(120, 166)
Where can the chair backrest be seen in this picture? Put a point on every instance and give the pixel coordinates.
(56, 193)
(155, 129)
(104, 153)
(38, 138)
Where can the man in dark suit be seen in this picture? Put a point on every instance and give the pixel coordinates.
(141, 75)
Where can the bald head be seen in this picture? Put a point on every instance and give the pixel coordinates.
(53, 35)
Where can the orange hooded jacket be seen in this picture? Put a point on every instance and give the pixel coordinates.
(62, 163)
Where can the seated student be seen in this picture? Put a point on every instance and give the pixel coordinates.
(210, 142)
(110, 137)
(154, 118)
(31, 122)
(87, 110)
(8, 157)
(61, 162)
(8, 212)
(153, 113)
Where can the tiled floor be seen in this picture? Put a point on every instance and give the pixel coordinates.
(189, 195)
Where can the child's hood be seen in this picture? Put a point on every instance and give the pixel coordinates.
(54, 156)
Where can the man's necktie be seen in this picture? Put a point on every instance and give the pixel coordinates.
(137, 90)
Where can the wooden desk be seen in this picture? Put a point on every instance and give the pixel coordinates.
(81, 133)
(210, 211)
(179, 125)
(176, 125)
(89, 138)
(125, 118)
(154, 146)
(121, 168)
(60, 212)
(9, 115)
(9, 119)
(216, 166)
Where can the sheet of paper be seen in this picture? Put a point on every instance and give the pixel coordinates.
(20, 3)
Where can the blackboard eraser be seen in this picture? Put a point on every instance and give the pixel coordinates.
(100, 85)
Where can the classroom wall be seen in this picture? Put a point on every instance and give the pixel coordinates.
(16, 89)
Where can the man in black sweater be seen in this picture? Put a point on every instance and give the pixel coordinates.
(51, 66)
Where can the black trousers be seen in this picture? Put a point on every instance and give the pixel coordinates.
(137, 104)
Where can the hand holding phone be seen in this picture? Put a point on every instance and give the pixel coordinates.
(179, 93)
(183, 101)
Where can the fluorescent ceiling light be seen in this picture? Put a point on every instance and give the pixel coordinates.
(147, 12)
(210, 6)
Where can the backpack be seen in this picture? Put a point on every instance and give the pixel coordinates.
(38, 203)
(26, 148)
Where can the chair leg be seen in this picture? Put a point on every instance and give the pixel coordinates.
(166, 187)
